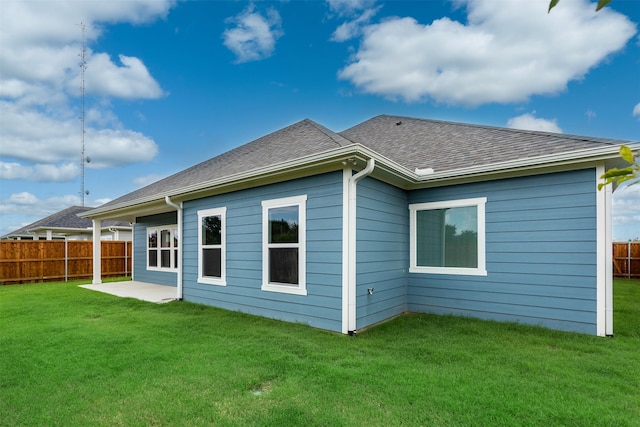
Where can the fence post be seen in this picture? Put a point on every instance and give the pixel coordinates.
(629, 259)
(66, 259)
(41, 254)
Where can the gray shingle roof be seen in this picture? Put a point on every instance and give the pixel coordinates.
(412, 143)
(66, 218)
(298, 140)
(443, 146)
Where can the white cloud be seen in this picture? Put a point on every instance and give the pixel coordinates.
(20, 209)
(57, 21)
(26, 204)
(505, 52)
(41, 43)
(636, 110)
(40, 83)
(111, 147)
(349, 8)
(353, 28)
(132, 80)
(253, 36)
(21, 199)
(529, 121)
(57, 140)
(626, 212)
(40, 172)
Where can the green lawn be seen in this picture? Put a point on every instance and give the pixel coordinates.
(74, 357)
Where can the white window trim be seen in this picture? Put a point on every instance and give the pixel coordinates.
(301, 202)
(222, 280)
(481, 270)
(158, 229)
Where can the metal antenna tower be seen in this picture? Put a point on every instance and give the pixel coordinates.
(83, 67)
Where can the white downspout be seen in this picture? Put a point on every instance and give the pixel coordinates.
(351, 285)
(167, 199)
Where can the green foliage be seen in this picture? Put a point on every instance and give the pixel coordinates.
(212, 230)
(283, 231)
(619, 176)
(601, 4)
(74, 357)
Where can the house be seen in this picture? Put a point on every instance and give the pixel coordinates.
(66, 224)
(344, 230)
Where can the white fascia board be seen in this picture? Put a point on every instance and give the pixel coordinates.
(61, 230)
(398, 175)
(560, 160)
(151, 203)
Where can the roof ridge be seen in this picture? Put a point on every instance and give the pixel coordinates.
(336, 137)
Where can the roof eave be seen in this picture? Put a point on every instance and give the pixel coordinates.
(318, 163)
(74, 230)
(540, 164)
(355, 155)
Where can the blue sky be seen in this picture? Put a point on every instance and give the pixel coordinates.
(171, 83)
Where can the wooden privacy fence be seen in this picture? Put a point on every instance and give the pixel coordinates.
(28, 261)
(626, 260)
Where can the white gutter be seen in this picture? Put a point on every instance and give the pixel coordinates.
(351, 254)
(168, 201)
(528, 163)
(343, 153)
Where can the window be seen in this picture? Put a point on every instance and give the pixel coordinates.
(284, 245)
(212, 246)
(162, 248)
(448, 237)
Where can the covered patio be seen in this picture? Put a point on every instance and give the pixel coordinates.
(158, 294)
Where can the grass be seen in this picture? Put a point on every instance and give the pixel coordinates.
(74, 357)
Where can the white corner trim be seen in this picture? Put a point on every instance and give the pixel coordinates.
(604, 269)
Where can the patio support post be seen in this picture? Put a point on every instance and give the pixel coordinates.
(179, 212)
(97, 256)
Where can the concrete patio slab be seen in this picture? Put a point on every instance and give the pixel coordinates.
(139, 290)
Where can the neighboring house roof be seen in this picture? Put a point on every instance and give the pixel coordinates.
(400, 145)
(64, 222)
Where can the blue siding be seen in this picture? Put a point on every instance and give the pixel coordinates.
(382, 256)
(540, 249)
(322, 306)
(540, 253)
(140, 271)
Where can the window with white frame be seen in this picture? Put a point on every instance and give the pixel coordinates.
(448, 237)
(162, 247)
(284, 245)
(212, 246)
